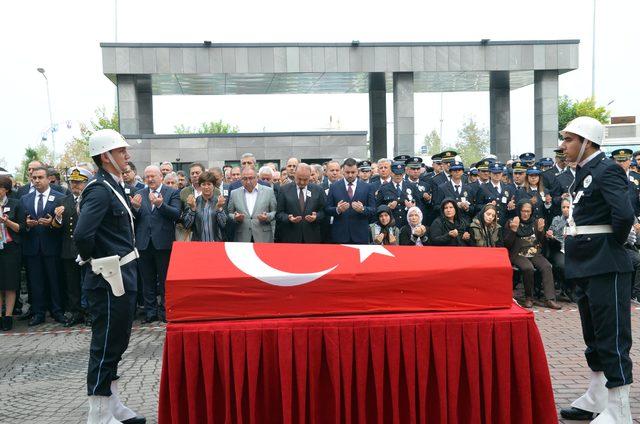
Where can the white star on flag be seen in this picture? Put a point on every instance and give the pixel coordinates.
(368, 250)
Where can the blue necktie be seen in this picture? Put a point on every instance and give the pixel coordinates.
(40, 207)
(398, 190)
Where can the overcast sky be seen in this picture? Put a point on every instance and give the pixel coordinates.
(63, 37)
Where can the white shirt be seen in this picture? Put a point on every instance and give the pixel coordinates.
(157, 192)
(383, 181)
(353, 185)
(454, 184)
(45, 196)
(117, 178)
(497, 187)
(585, 161)
(558, 168)
(250, 197)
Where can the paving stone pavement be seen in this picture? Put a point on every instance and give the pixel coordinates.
(42, 371)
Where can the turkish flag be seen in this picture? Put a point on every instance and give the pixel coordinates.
(209, 281)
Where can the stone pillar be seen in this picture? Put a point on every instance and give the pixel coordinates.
(135, 105)
(545, 95)
(403, 117)
(377, 115)
(500, 115)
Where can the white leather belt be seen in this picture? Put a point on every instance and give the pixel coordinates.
(131, 256)
(580, 230)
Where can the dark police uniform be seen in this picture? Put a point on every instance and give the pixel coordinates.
(104, 229)
(601, 268)
(388, 193)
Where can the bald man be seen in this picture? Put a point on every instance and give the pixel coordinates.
(301, 209)
(156, 208)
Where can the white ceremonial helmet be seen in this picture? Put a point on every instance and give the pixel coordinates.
(586, 127)
(103, 141)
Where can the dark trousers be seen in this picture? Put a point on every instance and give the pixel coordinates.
(44, 284)
(527, 268)
(73, 287)
(604, 302)
(153, 266)
(634, 255)
(110, 332)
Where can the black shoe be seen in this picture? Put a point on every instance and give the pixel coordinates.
(59, 318)
(74, 319)
(150, 318)
(135, 420)
(27, 315)
(36, 320)
(573, 413)
(7, 323)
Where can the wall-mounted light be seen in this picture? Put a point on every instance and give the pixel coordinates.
(355, 43)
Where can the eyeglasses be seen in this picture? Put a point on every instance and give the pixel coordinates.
(248, 178)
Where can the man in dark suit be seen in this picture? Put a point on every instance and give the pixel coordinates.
(66, 218)
(41, 248)
(129, 177)
(383, 176)
(156, 208)
(300, 209)
(351, 204)
(333, 175)
(30, 188)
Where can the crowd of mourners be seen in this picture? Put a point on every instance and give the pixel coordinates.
(522, 205)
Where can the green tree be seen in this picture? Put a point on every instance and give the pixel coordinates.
(77, 149)
(211, 127)
(473, 142)
(569, 109)
(433, 143)
(40, 152)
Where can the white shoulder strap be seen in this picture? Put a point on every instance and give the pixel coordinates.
(121, 199)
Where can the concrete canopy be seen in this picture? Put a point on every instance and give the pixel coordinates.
(142, 70)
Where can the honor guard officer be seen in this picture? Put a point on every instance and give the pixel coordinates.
(364, 170)
(399, 194)
(598, 226)
(105, 240)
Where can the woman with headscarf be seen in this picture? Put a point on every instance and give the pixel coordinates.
(414, 233)
(485, 230)
(450, 228)
(384, 230)
(524, 237)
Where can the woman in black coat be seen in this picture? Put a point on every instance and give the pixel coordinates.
(414, 233)
(11, 221)
(450, 228)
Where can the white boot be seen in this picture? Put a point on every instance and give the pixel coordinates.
(618, 409)
(595, 398)
(118, 409)
(99, 411)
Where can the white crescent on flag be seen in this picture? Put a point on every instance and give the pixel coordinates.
(244, 257)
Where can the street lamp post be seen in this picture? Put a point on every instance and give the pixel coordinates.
(52, 128)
